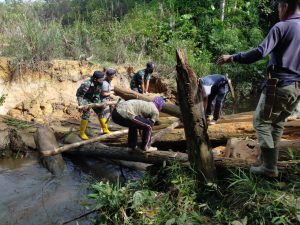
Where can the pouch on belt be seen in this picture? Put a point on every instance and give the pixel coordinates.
(270, 97)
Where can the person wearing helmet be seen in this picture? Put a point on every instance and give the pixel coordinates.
(138, 115)
(214, 90)
(105, 96)
(140, 80)
(89, 92)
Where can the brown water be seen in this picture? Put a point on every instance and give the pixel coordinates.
(29, 194)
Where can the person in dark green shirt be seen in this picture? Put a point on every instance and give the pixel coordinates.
(140, 80)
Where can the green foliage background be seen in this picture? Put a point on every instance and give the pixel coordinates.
(134, 31)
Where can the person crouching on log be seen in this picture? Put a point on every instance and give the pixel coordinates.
(105, 96)
(138, 115)
(89, 92)
(214, 88)
(140, 80)
(281, 92)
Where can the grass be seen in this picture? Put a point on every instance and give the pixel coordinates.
(171, 195)
(20, 124)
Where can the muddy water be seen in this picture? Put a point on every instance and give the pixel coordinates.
(29, 194)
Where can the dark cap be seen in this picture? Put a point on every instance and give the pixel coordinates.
(98, 74)
(110, 72)
(150, 65)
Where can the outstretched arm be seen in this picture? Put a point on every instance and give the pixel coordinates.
(264, 49)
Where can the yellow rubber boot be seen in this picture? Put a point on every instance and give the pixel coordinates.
(83, 126)
(104, 125)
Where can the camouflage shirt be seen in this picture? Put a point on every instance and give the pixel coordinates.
(88, 91)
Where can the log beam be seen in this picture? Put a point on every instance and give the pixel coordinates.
(158, 157)
(127, 94)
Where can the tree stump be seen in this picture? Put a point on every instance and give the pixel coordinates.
(195, 126)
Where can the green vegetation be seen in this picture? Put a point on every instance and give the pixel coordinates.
(2, 99)
(171, 196)
(19, 124)
(134, 31)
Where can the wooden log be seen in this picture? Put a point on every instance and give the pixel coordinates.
(283, 166)
(159, 135)
(44, 139)
(123, 153)
(127, 94)
(194, 120)
(158, 157)
(97, 105)
(249, 149)
(69, 147)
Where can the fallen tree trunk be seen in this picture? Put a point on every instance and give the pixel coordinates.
(249, 149)
(224, 131)
(123, 153)
(158, 157)
(127, 94)
(159, 135)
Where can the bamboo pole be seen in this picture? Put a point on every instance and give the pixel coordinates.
(78, 144)
(127, 94)
(97, 105)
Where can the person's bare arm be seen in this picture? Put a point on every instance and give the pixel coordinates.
(147, 86)
(143, 86)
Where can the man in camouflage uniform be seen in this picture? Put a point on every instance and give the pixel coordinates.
(105, 96)
(281, 96)
(89, 92)
(138, 80)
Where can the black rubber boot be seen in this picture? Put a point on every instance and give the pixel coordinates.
(268, 167)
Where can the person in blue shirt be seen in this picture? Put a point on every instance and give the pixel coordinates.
(215, 88)
(283, 45)
(140, 80)
(105, 96)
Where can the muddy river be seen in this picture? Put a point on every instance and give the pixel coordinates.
(29, 194)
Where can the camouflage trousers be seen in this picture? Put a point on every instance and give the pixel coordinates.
(269, 131)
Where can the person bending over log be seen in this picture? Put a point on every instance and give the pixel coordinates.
(281, 92)
(105, 96)
(214, 89)
(89, 92)
(138, 115)
(140, 80)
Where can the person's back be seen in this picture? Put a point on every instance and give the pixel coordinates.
(131, 108)
(213, 79)
(137, 81)
(286, 54)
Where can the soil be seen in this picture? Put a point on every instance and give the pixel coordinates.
(47, 95)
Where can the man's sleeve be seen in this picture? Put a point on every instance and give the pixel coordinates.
(148, 76)
(82, 90)
(264, 49)
(105, 87)
(141, 76)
